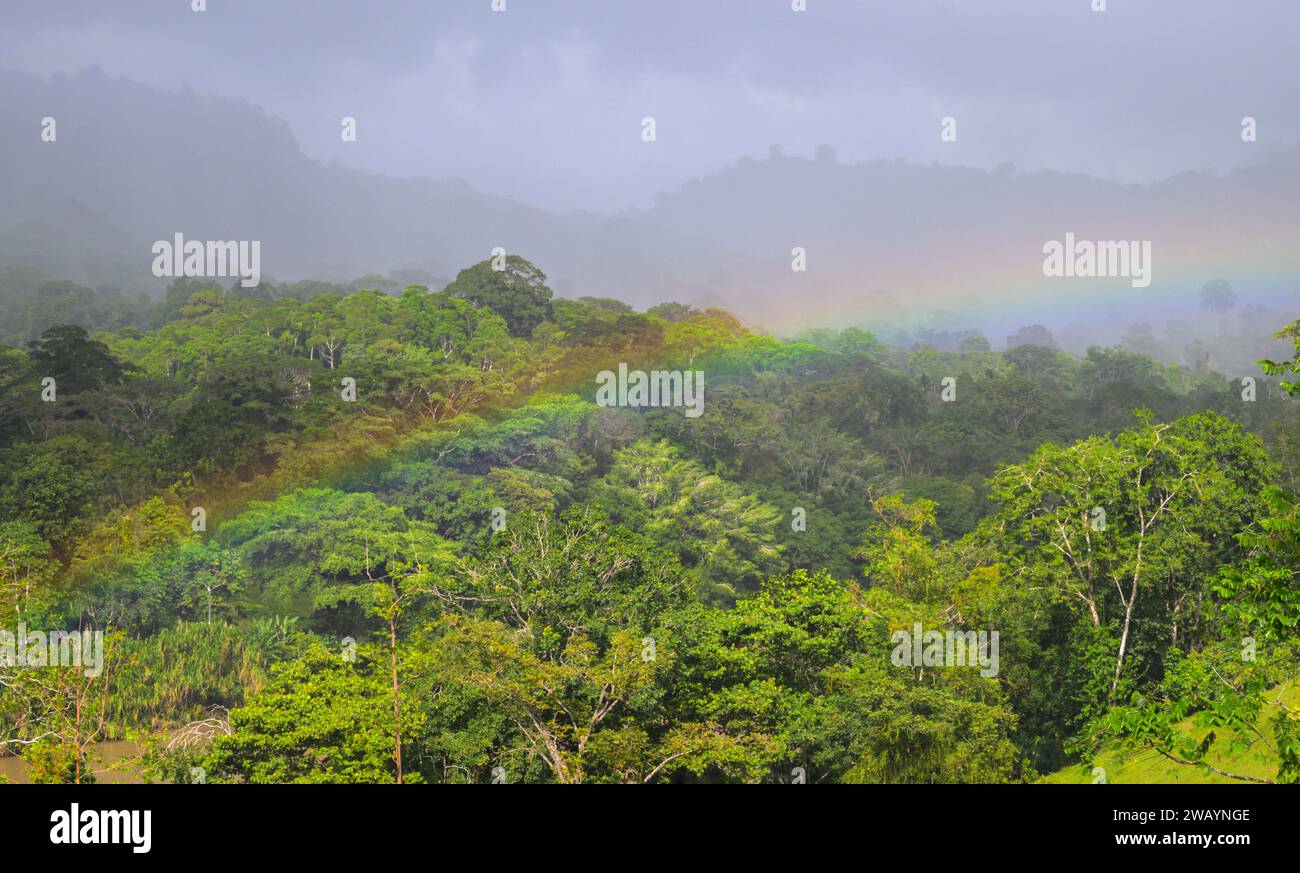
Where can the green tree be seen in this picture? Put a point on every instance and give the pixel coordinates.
(517, 293)
(1285, 368)
(560, 704)
(723, 535)
(1131, 525)
(321, 718)
(77, 362)
(25, 563)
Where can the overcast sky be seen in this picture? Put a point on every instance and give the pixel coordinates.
(544, 101)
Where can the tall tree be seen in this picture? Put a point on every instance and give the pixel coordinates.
(1149, 513)
(77, 362)
(517, 293)
(1217, 296)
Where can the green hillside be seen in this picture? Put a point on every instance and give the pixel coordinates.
(1149, 766)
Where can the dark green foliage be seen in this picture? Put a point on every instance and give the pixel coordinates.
(528, 587)
(517, 293)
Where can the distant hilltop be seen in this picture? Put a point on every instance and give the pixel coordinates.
(783, 241)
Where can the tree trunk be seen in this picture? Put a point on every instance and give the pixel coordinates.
(397, 706)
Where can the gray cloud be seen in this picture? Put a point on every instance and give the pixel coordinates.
(543, 103)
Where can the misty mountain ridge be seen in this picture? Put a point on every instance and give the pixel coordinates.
(885, 241)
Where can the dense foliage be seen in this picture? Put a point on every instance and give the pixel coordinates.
(343, 535)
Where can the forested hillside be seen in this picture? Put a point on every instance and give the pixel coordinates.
(887, 239)
(362, 533)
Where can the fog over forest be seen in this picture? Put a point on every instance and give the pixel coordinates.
(892, 245)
